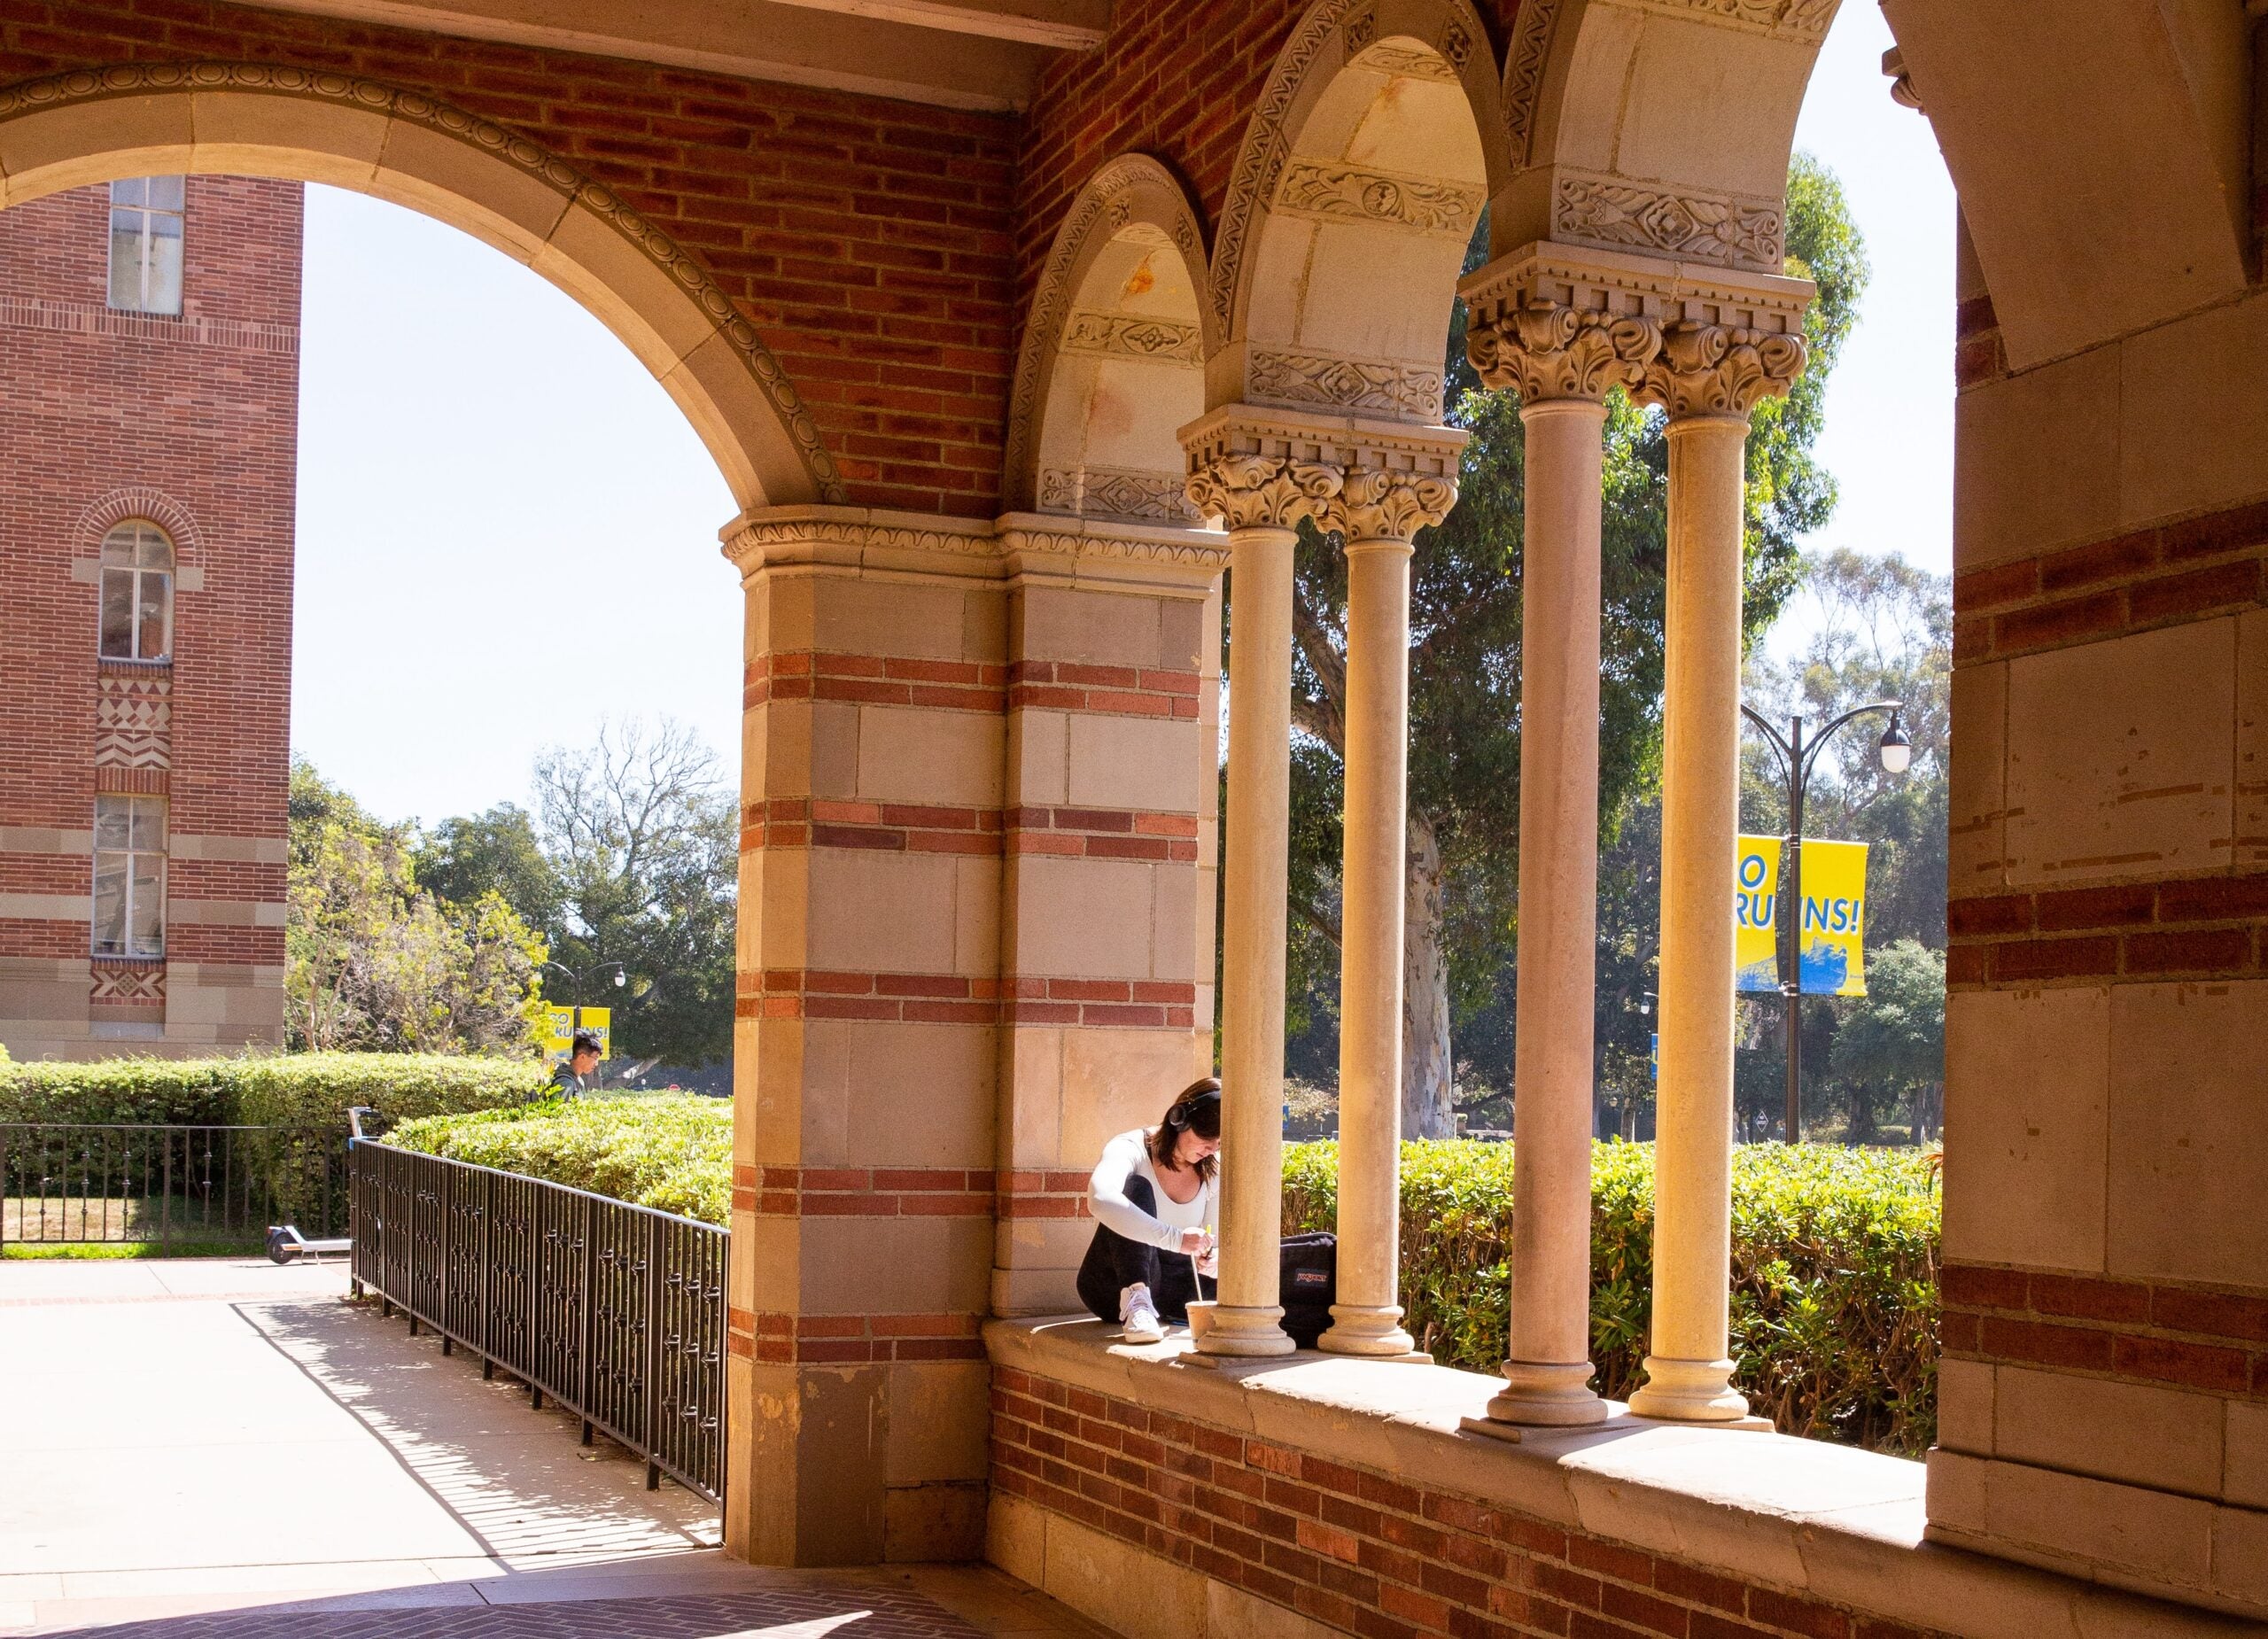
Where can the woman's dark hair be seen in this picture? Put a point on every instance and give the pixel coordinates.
(1197, 1110)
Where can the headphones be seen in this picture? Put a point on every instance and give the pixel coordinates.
(1183, 1108)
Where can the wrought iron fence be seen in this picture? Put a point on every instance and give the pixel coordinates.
(613, 1311)
(177, 1188)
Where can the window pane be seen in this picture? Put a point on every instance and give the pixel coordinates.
(150, 823)
(148, 930)
(118, 546)
(110, 904)
(118, 613)
(126, 261)
(165, 192)
(130, 190)
(114, 823)
(157, 600)
(152, 550)
(162, 293)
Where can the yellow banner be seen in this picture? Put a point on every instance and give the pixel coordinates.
(1835, 919)
(1756, 915)
(561, 1023)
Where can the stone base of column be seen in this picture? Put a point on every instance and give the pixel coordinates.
(1253, 1331)
(1547, 1394)
(1688, 1391)
(1360, 1328)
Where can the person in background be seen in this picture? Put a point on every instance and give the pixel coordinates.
(570, 1077)
(1155, 1198)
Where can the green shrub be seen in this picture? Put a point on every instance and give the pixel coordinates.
(282, 1090)
(1835, 1261)
(672, 1151)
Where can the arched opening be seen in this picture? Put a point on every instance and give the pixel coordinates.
(79, 130)
(1361, 179)
(1114, 357)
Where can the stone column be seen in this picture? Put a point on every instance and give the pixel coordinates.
(1563, 359)
(1710, 377)
(1261, 497)
(1379, 513)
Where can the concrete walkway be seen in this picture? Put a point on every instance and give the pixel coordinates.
(223, 1447)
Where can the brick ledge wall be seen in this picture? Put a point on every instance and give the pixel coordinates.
(1296, 1499)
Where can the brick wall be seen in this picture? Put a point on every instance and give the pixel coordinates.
(1358, 1550)
(868, 240)
(192, 420)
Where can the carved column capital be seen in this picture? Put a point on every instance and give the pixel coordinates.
(1549, 350)
(1378, 505)
(1562, 321)
(1721, 370)
(1263, 492)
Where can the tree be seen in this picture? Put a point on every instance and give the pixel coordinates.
(1461, 923)
(1891, 1044)
(373, 962)
(462, 858)
(642, 836)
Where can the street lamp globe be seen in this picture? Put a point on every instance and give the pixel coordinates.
(622, 978)
(1896, 750)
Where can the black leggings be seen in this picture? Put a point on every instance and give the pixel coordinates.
(1114, 1262)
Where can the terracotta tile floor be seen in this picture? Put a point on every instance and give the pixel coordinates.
(223, 1450)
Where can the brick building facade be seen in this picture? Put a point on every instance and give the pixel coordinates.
(148, 346)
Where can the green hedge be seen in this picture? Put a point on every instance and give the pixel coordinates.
(1835, 1262)
(284, 1090)
(673, 1151)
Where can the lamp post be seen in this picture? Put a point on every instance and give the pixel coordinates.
(1797, 755)
(621, 978)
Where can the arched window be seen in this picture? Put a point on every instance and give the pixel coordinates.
(137, 592)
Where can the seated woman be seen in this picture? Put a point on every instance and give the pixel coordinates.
(1154, 1199)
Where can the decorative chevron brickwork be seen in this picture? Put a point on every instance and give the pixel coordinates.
(2197, 926)
(2211, 565)
(133, 720)
(2142, 1332)
(1360, 1551)
(128, 986)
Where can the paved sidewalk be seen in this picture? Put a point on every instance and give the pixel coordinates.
(220, 1449)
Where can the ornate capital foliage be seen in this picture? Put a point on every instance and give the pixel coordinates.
(1389, 506)
(1563, 322)
(1258, 492)
(1549, 350)
(1720, 369)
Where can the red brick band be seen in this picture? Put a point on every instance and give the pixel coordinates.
(1978, 354)
(776, 1338)
(906, 827)
(1040, 1195)
(2204, 927)
(862, 1192)
(873, 679)
(1113, 691)
(949, 998)
(2163, 576)
(1103, 833)
(1358, 1550)
(2143, 1332)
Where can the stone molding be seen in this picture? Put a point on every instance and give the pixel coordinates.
(1115, 492)
(1702, 227)
(1795, 20)
(1698, 340)
(1133, 336)
(858, 539)
(1258, 467)
(125, 79)
(1408, 391)
(1333, 191)
(1403, 63)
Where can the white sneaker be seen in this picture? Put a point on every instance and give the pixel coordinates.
(1140, 1315)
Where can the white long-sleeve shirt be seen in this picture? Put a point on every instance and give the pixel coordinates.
(1128, 1156)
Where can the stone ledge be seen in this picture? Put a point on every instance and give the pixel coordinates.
(1829, 1522)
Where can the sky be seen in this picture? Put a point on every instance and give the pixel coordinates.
(508, 533)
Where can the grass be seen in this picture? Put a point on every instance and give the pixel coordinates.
(104, 1251)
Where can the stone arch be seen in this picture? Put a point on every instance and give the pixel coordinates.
(1112, 361)
(1378, 138)
(76, 130)
(2102, 167)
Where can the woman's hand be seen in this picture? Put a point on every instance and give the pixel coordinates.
(1208, 1262)
(1192, 1242)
